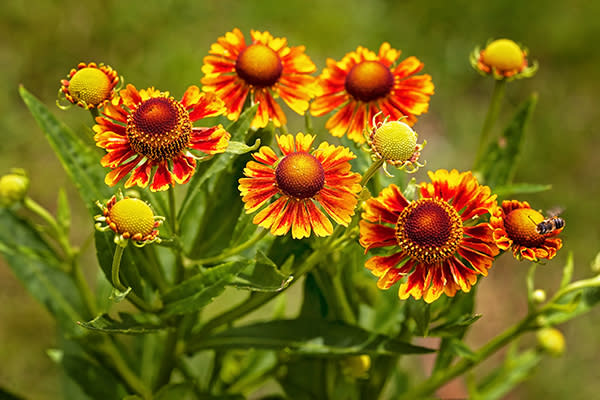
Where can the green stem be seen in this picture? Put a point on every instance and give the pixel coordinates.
(57, 232)
(95, 113)
(341, 300)
(128, 376)
(308, 122)
(84, 289)
(179, 270)
(371, 171)
(116, 269)
(437, 380)
(490, 119)
(234, 250)
(283, 129)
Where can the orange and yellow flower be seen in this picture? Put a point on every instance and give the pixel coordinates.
(148, 128)
(364, 83)
(90, 85)
(515, 224)
(432, 245)
(266, 68)
(300, 180)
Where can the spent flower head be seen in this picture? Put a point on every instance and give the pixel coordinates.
(89, 85)
(13, 187)
(395, 142)
(504, 59)
(131, 219)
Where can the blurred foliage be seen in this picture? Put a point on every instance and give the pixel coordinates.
(162, 44)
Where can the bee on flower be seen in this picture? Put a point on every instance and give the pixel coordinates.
(130, 219)
(89, 86)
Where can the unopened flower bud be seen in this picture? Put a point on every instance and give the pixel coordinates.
(539, 296)
(356, 367)
(504, 59)
(595, 265)
(13, 187)
(551, 341)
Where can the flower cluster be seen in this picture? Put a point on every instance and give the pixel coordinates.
(438, 243)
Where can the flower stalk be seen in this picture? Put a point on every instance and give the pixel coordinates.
(490, 119)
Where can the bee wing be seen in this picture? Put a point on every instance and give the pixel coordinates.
(555, 211)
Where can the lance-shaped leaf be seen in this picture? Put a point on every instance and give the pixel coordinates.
(38, 269)
(521, 188)
(79, 160)
(572, 305)
(199, 290)
(262, 276)
(129, 324)
(454, 327)
(308, 336)
(499, 164)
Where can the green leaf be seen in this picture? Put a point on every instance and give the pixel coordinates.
(500, 162)
(176, 391)
(454, 327)
(419, 311)
(63, 212)
(572, 305)
(460, 348)
(567, 271)
(79, 160)
(262, 276)
(504, 378)
(130, 324)
(37, 267)
(242, 148)
(521, 188)
(199, 290)
(308, 336)
(6, 395)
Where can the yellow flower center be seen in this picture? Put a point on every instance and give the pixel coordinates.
(90, 85)
(259, 65)
(132, 216)
(503, 54)
(520, 226)
(159, 128)
(300, 175)
(369, 80)
(394, 141)
(429, 230)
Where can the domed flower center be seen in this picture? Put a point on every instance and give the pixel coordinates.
(300, 175)
(259, 65)
(132, 216)
(394, 141)
(429, 230)
(369, 80)
(90, 85)
(520, 225)
(159, 128)
(504, 54)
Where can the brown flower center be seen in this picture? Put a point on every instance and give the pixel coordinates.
(300, 175)
(259, 65)
(369, 80)
(159, 128)
(520, 226)
(429, 230)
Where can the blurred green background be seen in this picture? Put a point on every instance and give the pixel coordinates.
(162, 44)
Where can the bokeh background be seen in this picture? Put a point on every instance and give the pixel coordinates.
(162, 44)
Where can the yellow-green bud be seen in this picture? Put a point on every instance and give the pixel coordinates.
(539, 296)
(503, 54)
(595, 265)
(551, 341)
(356, 367)
(13, 187)
(395, 141)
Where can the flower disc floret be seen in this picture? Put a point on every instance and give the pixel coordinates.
(364, 85)
(150, 135)
(369, 80)
(504, 59)
(521, 224)
(300, 175)
(90, 85)
(433, 248)
(307, 186)
(159, 128)
(395, 142)
(430, 230)
(259, 65)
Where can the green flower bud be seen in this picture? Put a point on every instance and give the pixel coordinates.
(356, 367)
(539, 296)
(551, 341)
(13, 187)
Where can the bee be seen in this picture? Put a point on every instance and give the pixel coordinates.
(552, 223)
